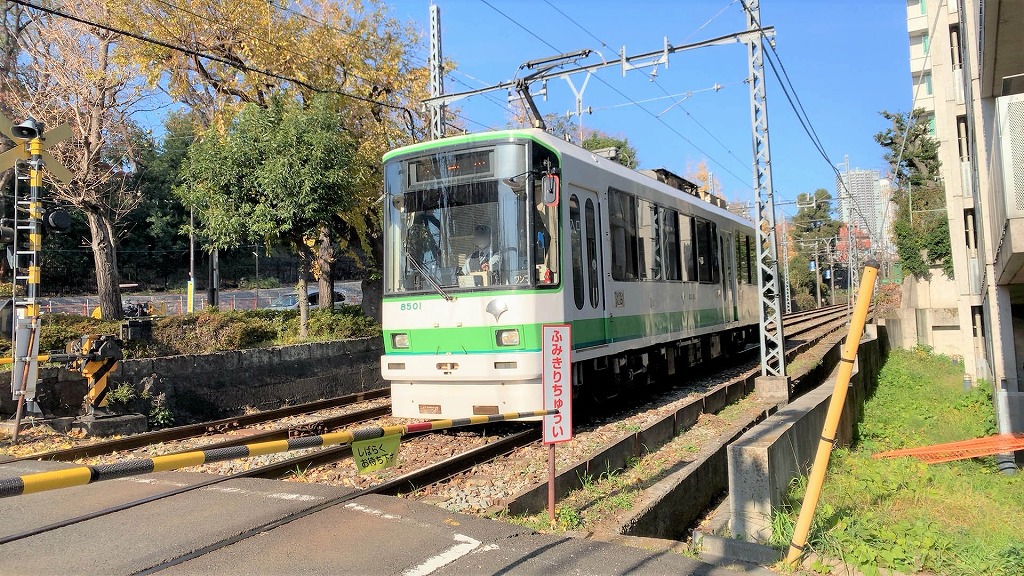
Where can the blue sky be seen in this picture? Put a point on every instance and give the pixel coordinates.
(847, 59)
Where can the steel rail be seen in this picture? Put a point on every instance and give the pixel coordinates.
(428, 474)
(201, 429)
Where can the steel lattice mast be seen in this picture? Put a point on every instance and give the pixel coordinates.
(773, 359)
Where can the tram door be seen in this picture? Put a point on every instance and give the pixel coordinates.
(591, 327)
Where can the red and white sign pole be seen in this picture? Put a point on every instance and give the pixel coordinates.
(556, 343)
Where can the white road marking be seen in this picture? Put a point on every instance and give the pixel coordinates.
(441, 560)
(371, 511)
(227, 489)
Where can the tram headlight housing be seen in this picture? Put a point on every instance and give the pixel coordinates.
(400, 340)
(508, 337)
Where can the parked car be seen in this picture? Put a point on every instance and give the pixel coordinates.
(290, 300)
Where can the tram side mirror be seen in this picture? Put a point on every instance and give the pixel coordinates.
(549, 189)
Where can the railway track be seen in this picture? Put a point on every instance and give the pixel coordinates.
(207, 428)
(409, 482)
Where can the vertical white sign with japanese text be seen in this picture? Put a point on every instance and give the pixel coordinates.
(556, 344)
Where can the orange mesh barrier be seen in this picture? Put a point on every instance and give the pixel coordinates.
(961, 450)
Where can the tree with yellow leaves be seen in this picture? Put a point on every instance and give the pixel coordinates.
(250, 52)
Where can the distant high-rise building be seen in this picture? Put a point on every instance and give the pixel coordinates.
(860, 200)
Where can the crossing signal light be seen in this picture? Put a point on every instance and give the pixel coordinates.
(6, 232)
(57, 220)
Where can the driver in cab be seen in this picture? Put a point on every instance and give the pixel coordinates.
(484, 258)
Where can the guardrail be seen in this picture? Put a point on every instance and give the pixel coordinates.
(81, 475)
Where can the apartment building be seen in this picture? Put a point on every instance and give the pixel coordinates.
(967, 70)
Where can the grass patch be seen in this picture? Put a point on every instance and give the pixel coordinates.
(211, 330)
(901, 514)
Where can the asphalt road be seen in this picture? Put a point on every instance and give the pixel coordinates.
(368, 535)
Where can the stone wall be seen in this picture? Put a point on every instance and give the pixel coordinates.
(224, 383)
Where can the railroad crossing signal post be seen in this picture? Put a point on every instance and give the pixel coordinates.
(30, 144)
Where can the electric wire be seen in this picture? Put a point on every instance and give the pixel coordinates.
(677, 103)
(667, 96)
(623, 95)
(237, 65)
(804, 120)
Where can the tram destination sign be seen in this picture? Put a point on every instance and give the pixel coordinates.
(557, 380)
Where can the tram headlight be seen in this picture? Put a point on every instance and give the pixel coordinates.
(400, 340)
(508, 337)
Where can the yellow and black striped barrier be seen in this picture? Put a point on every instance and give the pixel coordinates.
(78, 476)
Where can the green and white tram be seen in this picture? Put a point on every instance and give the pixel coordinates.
(490, 236)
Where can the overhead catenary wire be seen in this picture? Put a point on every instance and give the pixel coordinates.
(623, 95)
(804, 119)
(678, 103)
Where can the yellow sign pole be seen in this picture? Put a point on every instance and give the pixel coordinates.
(835, 411)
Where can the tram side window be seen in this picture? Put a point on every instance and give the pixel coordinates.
(545, 227)
(622, 224)
(592, 265)
(716, 270)
(742, 266)
(686, 242)
(703, 249)
(650, 252)
(670, 243)
(751, 249)
(577, 251)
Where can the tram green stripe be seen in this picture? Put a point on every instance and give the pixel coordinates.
(587, 332)
(498, 136)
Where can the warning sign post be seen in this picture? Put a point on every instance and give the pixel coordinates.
(556, 342)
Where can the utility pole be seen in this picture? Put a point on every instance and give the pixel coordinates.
(191, 261)
(785, 266)
(436, 74)
(817, 275)
(773, 359)
(30, 144)
(213, 287)
(851, 242)
(832, 274)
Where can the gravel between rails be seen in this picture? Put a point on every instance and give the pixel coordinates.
(490, 483)
(413, 454)
(493, 482)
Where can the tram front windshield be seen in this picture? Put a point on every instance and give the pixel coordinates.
(462, 220)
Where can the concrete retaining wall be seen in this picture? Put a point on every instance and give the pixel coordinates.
(223, 383)
(764, 461)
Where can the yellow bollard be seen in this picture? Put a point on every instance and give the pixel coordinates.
(835, 411)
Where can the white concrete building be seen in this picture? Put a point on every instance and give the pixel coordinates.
(948, 313)
(967, 66)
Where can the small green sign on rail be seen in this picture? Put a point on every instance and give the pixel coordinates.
(376, 454)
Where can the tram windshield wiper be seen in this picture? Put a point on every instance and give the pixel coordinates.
(429, 278)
